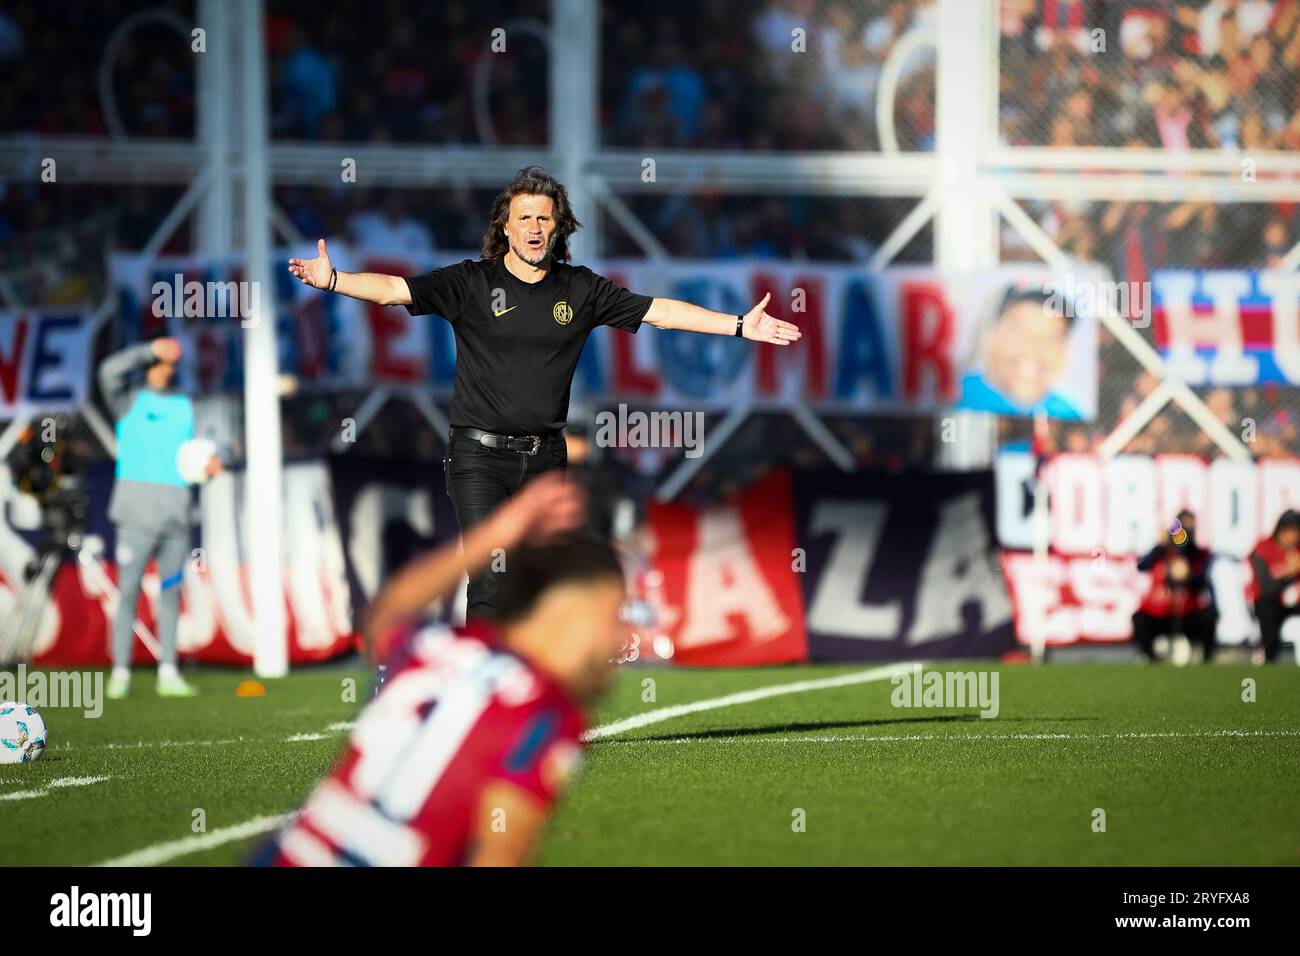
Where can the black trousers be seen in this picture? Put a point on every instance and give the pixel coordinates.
(1270, 615)
(1199, 626)
(478, 480)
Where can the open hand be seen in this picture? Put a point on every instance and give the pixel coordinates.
(761, 327)
(166, 350)
(314, 272)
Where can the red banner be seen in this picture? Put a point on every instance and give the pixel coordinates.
(78, 623)
(728, 596)
(217, 622)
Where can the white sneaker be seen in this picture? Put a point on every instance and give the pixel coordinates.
(119, 685)
(174, 685)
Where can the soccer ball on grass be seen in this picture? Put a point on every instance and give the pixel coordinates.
(22, 733)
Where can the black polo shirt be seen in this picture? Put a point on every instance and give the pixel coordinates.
(517, 350)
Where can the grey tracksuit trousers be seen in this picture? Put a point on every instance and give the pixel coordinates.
(135, 546)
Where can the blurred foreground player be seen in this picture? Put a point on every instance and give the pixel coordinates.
(1276, 566)
(1179, 598)
(477, 728)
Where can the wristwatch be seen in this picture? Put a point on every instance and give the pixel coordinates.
(740, 326)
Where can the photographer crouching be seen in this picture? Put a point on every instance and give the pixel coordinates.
(47, 465)
(1276, 566)
(1179, 599)
(151, 501)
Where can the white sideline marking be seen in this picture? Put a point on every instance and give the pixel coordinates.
(908, 738)
(746, 697)
(53, 784)
(329, 731)
(165, 852)
(75, 781)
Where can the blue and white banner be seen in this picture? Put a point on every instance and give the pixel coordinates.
(1228, 327)
(43, 361)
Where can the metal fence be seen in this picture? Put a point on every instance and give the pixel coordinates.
(1167, 84)
(1195, 103)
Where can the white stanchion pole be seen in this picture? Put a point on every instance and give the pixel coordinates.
(966, 225)
(575, 83)
(262, 484)
(214, 232)
(1041, 524)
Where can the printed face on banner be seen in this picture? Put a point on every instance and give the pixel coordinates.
(1032, 346)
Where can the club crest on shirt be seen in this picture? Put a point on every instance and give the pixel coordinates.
(563, 314)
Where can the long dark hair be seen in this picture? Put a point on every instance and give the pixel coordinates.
(531, 181)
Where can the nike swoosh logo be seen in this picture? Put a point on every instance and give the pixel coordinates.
(504, 311)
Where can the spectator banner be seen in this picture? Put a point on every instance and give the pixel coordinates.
(900, 566)
(43, 359)
(727, 595)
(325, 340)
(389, 512)
(901, 340)
(811, 566)
(1228, 327)
(216, 623)
(1122, 506)
(1106, 514)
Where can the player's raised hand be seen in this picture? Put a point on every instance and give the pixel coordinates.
(314, 272)
(761, 327)
(545, 507)
(166, 350)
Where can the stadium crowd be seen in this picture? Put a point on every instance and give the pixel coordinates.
(705, 74)
(716, 74)
(1171, 74)
(721, 74)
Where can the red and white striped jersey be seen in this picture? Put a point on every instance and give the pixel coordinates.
(456, 711)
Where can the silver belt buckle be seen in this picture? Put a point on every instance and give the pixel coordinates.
(537, 443)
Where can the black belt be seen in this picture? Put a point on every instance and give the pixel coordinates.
(528, 444)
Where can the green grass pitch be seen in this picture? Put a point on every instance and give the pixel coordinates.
(1184, 770)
